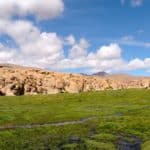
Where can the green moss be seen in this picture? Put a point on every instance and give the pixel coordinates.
(105, 137)
(70, 146)
(146, 145)
(94, 145)
(122, 112)
(74, 147)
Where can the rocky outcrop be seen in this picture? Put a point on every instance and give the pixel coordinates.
(16, 80)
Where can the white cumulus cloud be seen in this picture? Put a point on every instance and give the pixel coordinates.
(133, 3)
(70, 40)
(109, 52)
(139, 64)
(79, 49)
(41, 9)
(48, 50)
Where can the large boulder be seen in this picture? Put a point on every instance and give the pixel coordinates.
(72, 87)
(13, 89)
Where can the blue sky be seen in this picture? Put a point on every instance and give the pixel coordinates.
(103, 21)
(107, 35)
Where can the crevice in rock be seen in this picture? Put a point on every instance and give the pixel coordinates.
(2, 94)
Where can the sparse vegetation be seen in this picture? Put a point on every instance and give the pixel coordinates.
(120, 113)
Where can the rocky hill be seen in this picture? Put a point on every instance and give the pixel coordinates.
(100, 74)
(17, 80)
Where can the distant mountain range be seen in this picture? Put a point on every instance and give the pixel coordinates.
(101, 74)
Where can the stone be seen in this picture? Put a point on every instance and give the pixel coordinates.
(18, 80)
(72, 87)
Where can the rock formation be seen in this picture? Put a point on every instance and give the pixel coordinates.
(17, 80)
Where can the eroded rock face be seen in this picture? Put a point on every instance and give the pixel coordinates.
(31, 81)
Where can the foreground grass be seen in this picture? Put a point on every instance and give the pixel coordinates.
(119, 114)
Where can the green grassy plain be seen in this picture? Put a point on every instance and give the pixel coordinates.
(119, 114)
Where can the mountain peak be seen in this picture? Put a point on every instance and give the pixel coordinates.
(100, 73)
